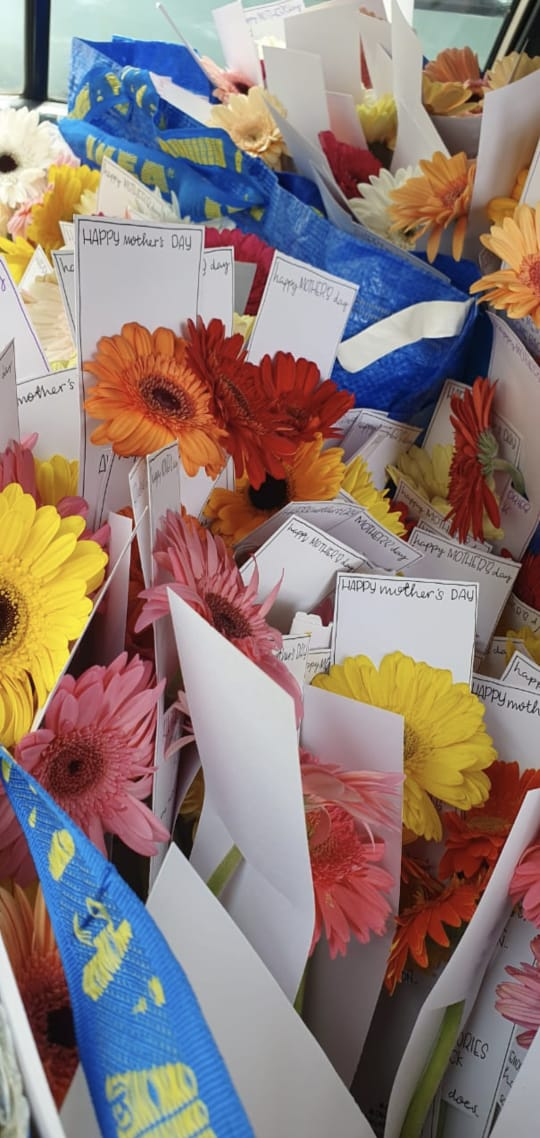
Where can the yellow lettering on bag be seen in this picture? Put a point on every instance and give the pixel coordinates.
(153, 174)
(211, 208)
(82, 103)
(127, 161)
(114, 82)
(110, 946)
(61, 853)
(162, 1101)
(238, 161)
(32, 818)
(6, 770)
(203, 151)
(155, 988)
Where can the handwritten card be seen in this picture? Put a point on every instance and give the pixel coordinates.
(333, 33)
(123, 253)
(15, 325)
(64, 264)
(441, 431)
(319, 662)
(522, 672)
(308, 559)
(370, 538)
(303, 311)
(518, 1108)
(289, 74)
(294, 654)
(121, 193)
(384, 447)
(9, 420)
(251, 715)
(163, 474)
(453, 561)
(512, 717)
(268, 20)
(50, 405)
(519, 519)
(433, 621)
(325, 515)
(494, 662)
(517, 614)
(341, 994)
(216, 295)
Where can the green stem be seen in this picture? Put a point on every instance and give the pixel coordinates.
(300, 995)
(443, 1111)
(225, 870)
(518, 481)
(431, 1077)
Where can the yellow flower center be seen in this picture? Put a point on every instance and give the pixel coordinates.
(529, 273)
(13, 617)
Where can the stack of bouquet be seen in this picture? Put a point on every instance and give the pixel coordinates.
(270, 578)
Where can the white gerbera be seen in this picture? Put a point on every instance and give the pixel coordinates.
(45, 307)
(372, 208)
(25, 155)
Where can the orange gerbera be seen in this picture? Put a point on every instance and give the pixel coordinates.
(436, 199)
(515, 289)
(455, 65)
(148, 397)
(474, 840)
(297, 395)
(471, 484)
(254, 436)
(431, 907)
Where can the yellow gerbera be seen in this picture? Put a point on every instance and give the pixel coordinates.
(358, 483)
(440, 197)
(446, 98)
(517, 288)
(428, 473)
(530, 639)
(446, 745)
(45, 576)
(312, 475)
(511, 68)
(499, 208)
(56, 478)
(18, 253)
(60, 203)
(378, 119)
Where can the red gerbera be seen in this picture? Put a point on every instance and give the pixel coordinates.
(475, 451)
(527, 586)
(254, 438)
(250, 248)
(297, 396)
(432, 906)
(474, 840)
(350, 165)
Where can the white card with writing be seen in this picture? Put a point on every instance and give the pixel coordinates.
(417, 506)
(123, 253)
(519, 519)
(9, 420)
(462, 977)
(67, 229)
(251, 715)
(512, 718)
(517, 614)
(333, 33)
(163, 474)
(15, 325)
(523, 1104)
(433, 621)
(384, 447)
(294, 654)
(216, 294)
(451, 560)
(493, 663)
(64, 264)
(38, 266)
(319, 662)
(120, 193)
(237, 45)
(265, 20)
(341, 994)
(303, 311)
(382, 548)
(325, 515)
(441, 431)
(289, 74)
(308, 559)
(522, 672)
(50, 405)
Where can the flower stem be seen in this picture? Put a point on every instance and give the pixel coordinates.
(436, 1066)
(518, 481)
(300, 995)
(225, 870)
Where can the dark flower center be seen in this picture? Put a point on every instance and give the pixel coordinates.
(71, 764)
(228, 619)
(60, 1029)
(166, 397)
(7, 164)
(271, 495)
(11, 611)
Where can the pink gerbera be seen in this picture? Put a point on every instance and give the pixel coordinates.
(520, 1001)
(94, 756)
(348, 881)
(525, 884)
(17, 464)
(372, 798)
(205, 575)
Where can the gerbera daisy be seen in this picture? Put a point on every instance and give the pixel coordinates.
(46, 575)
(51, 482)
(520, 1001)
(17, 254)
(499, 208)
(372, 208)
(511, 68)
(239, 402)
(447, 98)
(358, 483)
(525, 883)
(349, 164)
(25, 153)
(61, 201)
(225, 83)
(473, 841)
(527, 583)
(247, 247)
(299, 399)
(149, 396)
(204, 575)
(530, 639)
(94, 756)
(435, 200)
(447, 748)
(26, 930)
(455, 65)
(312, 475)
(45, 308)
(370, 797)
(428, 473)
(378, 118)
(349, 883)
(432, 906)
(515, 289)
(247, 119)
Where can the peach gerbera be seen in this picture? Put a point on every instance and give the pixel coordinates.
(435, 200)
(515, 289)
